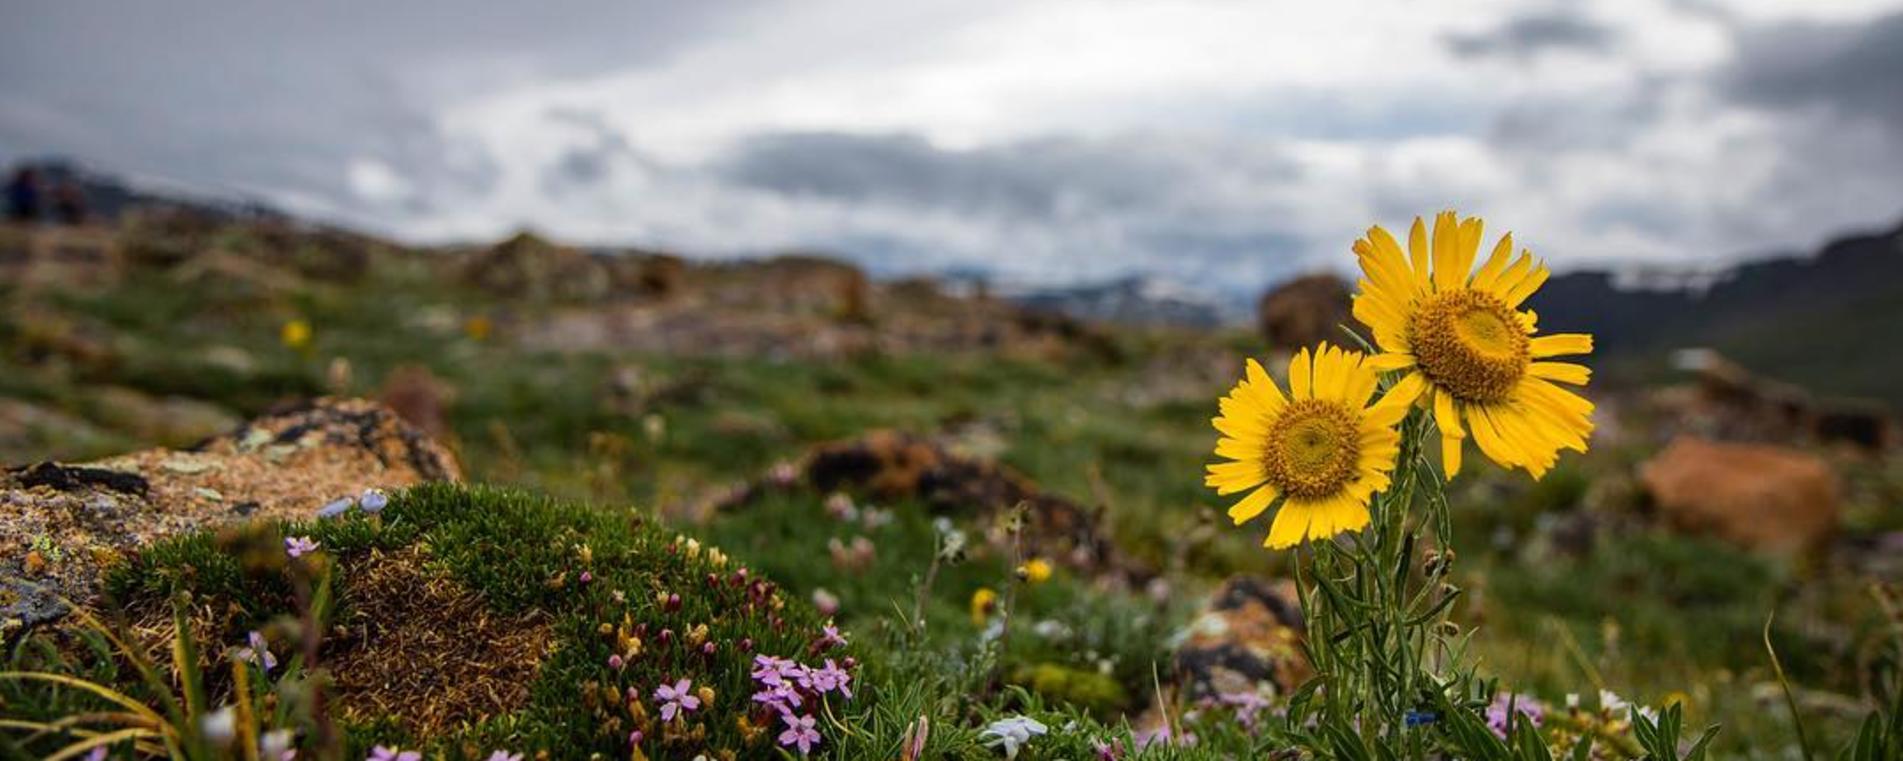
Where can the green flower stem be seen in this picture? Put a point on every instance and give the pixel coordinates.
(1377, 633)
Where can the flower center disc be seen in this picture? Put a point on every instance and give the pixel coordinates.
(1469, 343)
(1313, 449)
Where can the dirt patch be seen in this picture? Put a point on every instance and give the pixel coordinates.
(422, 649)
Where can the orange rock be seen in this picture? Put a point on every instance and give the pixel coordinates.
(1760, 497)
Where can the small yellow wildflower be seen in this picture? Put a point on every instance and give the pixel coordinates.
(296, 335)
(477, 328)
(983, 602)
(1035, 570)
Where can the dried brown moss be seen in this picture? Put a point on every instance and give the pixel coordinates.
(420, 648)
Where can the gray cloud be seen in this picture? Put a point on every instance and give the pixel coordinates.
(1219, 211)
(1854, 70)
(1047, 178)
(591, 160)
(1532, 34)
(278, 98)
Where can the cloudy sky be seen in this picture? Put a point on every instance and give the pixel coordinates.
(1218, 142)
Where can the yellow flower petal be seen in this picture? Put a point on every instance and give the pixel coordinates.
(1418, 253)
(1450, 453)
(1262, 387)
(1291, 526)
(1559, 344)
(1527, 286)
(1301, 376)
(1252, 505)
(1447, 416)
(1393, 360)
(1562, 372)
(1447, 272)
(1495, 264)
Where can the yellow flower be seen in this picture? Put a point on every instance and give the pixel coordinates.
(1321, 450)
(1467, 346)
(295, 334)
(477, 328)
(1035, 570)
(983, 602)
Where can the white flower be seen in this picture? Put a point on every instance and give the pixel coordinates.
(275, 745)
(1013, 733)
(1610, 702)
(220, 726)
(993, 632)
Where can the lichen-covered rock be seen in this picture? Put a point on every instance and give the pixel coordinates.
(60, 524)
(1243, 650)
(1247, 639)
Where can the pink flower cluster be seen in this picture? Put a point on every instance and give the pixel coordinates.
(790, 689)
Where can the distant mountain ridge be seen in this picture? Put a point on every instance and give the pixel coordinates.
(1828, 321)
(1131, 301)
(110, 197)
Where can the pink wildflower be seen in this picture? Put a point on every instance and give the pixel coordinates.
(258, 653)
(800, 732)
(830, 678)
(676, 699)
(299, 546)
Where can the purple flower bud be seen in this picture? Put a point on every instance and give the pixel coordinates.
(746, 644)
(673, 602)
(615, 662)
(708, 649)
(667, 637)
(586, 577)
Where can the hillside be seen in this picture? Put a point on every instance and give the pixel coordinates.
(1807, 320)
